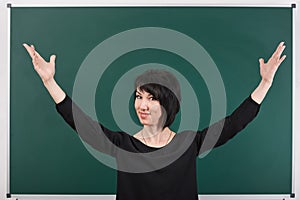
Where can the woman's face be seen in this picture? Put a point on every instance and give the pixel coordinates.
(147, 108)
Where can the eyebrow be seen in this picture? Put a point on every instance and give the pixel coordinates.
(149, 94)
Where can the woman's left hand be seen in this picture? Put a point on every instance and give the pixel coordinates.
(268, 70)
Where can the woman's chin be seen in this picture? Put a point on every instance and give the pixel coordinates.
(144, 123)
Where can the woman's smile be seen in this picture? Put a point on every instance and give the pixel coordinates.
(143, 115)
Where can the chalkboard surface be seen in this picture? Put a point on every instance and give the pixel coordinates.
(47, 157)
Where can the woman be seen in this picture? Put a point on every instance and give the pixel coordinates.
(172, 173)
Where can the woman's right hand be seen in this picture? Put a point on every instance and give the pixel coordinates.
(45, 70)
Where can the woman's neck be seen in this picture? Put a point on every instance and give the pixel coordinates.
(156, 136)
(152, 131)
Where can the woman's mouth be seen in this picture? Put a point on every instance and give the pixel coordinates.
(144, 115)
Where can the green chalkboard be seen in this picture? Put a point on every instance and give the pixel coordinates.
(47, 157)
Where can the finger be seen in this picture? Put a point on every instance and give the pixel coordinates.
(35, 63)
(261, 61)
(35, 57)
(280, 48)
(281, 43)
(52, 59)
(282, 59)
(33, 49)
(29, 50)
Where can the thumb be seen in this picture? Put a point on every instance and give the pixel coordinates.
(52, 59)
(261, 61)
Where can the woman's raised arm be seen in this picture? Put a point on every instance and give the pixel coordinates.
(46, 71)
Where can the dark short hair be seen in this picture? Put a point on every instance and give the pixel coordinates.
(165, 88)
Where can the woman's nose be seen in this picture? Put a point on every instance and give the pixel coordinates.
(144, 105)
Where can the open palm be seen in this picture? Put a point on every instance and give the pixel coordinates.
(45, 70)
(268, 70)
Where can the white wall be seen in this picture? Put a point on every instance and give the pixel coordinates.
(4, 71)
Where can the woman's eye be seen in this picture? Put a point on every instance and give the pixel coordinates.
(152, 99)
(138, 97)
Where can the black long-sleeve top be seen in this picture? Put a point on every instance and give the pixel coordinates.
(149, 173)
